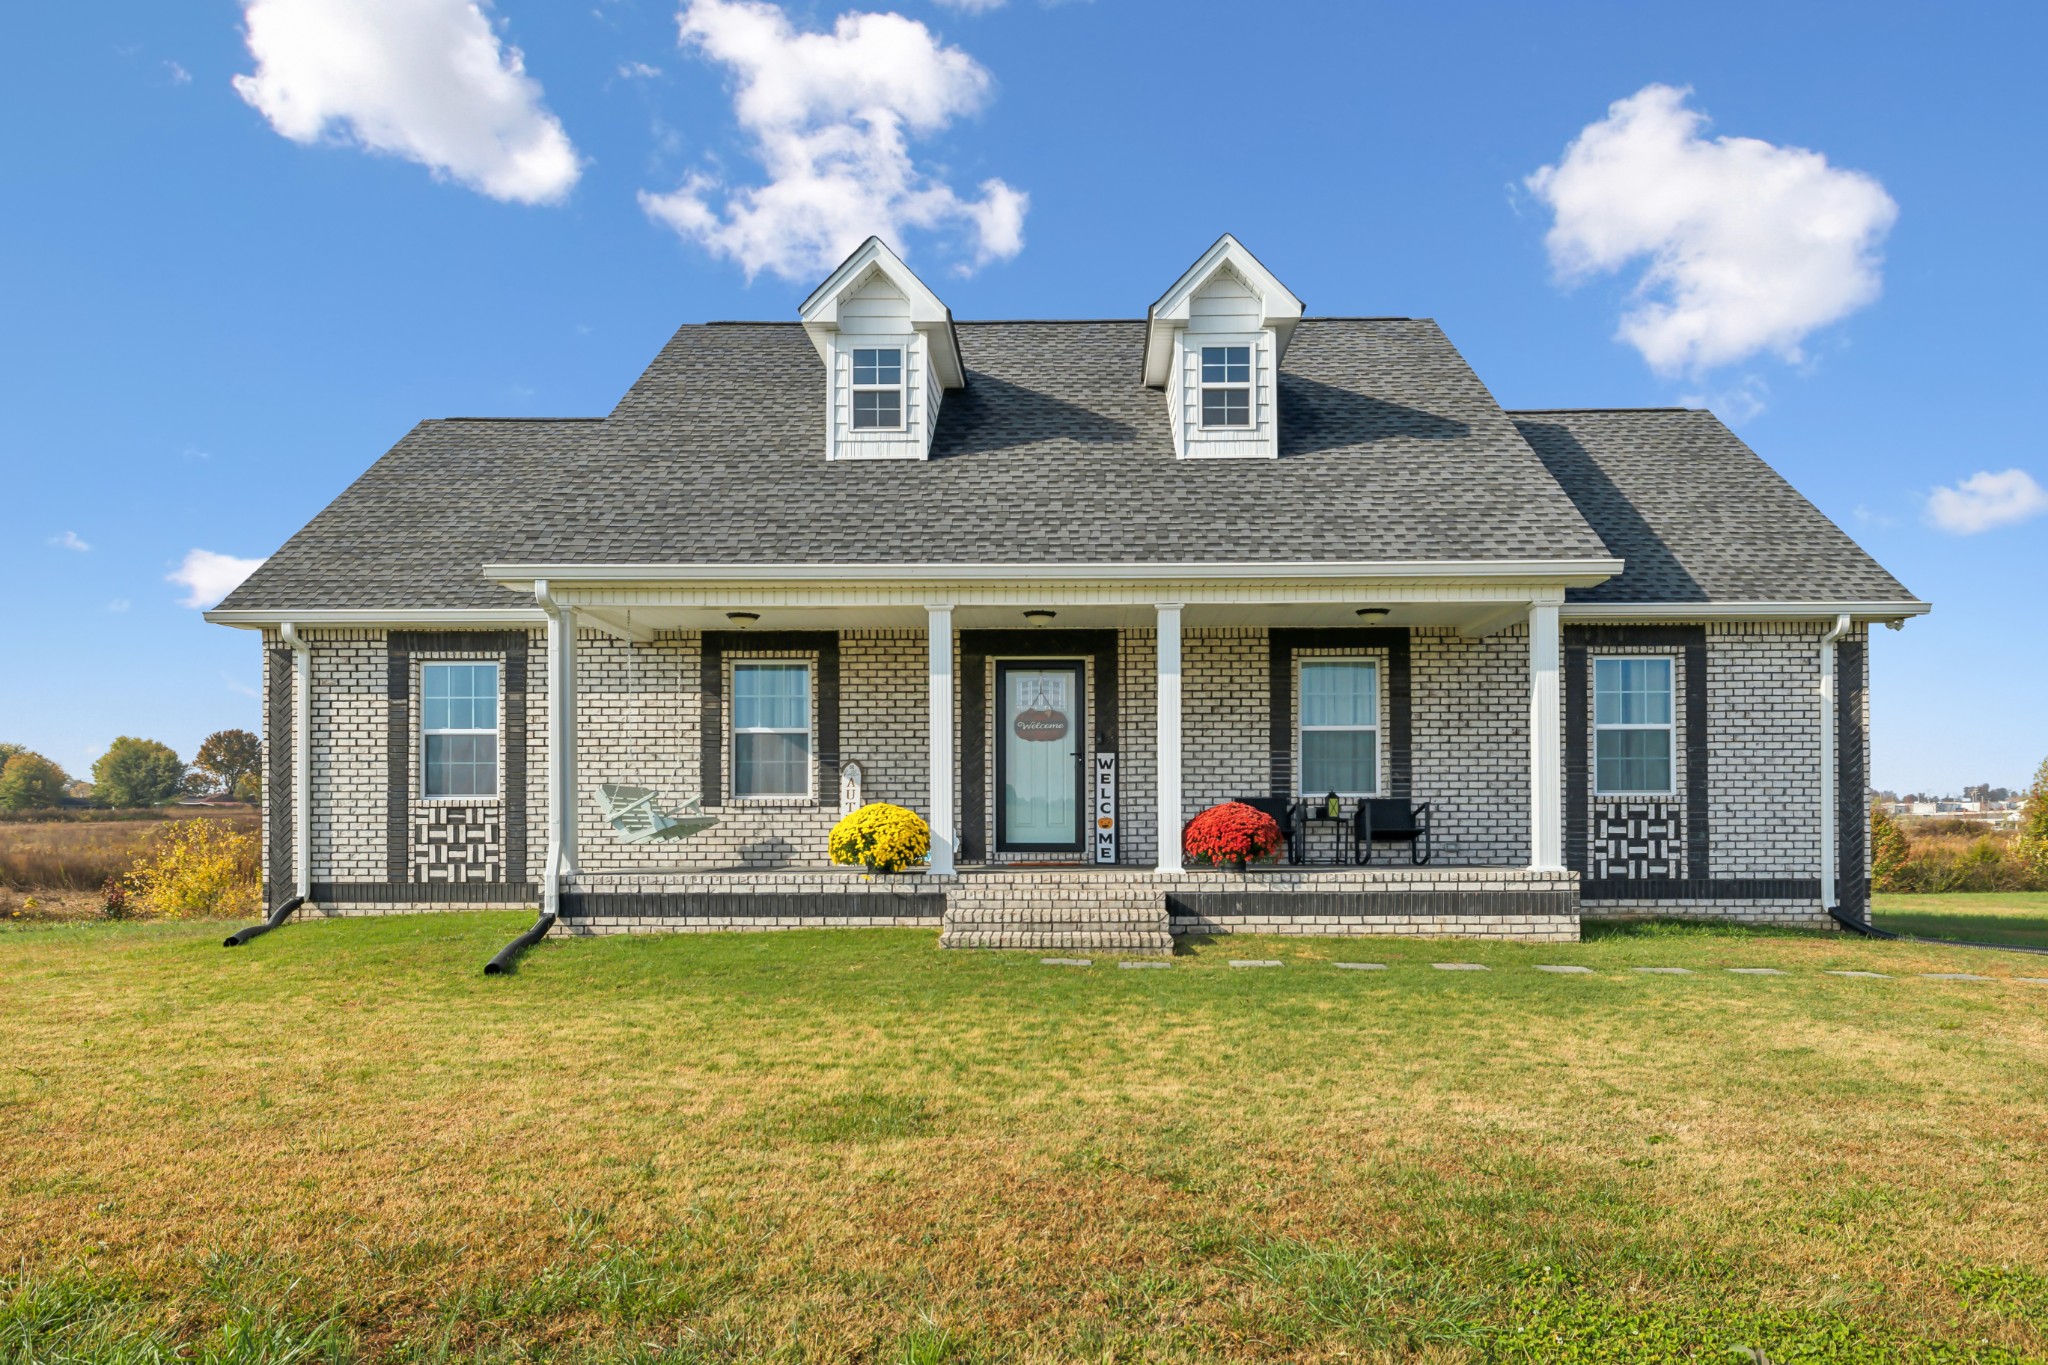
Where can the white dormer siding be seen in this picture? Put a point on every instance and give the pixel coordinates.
(874, 310)
(1233, 307)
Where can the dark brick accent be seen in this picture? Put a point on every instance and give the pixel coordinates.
(277, 728)
(1281, 646)
(1580, 642)
(425, 893)
(976, 646)
(1702, 889)
(753, 905)
(400, 645)
(1852, 879)
(1279, 904)
(711, 699)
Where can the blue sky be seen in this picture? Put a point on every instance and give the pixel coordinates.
(218, 304)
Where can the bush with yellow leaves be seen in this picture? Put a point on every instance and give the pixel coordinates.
(196, 869)
(881, 838)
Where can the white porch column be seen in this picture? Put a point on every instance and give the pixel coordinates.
(561, 727)
(1546, 742)
(939, 704)
(1169, 737)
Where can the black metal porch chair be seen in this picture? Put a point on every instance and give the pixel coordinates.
(1286, 814)
(1394, 820)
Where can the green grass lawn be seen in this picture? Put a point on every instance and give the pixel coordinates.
(343, 1143)
(2019, 917)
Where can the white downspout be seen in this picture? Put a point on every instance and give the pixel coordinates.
(1830, 799)
(302, 759)
(561, 746)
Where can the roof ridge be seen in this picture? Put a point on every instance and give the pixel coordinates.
(515, 419)
(1056, 322)
(1670, 407)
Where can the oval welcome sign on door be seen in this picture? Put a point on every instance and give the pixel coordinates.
(1041, 723)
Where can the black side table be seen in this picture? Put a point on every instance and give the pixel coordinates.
(1315, 815)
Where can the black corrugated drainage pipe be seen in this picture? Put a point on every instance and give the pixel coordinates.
(509, 954)
(277, 917)
(1863, 927)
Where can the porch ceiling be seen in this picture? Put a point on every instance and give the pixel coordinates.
(641, 620)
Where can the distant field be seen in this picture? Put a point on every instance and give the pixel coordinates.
(343, 1144)
(2016, 917)
(61, 863)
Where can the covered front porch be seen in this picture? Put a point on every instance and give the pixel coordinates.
(1160, 699)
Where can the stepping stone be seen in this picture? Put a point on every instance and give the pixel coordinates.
(1952, 976)
(1667, 971)
(1361, 966)
(2033, 980)
(1253, 962)
(1458, 966)
(1575, 971)
(1756, 971)
(1064, 962)
(1875, 976)
(1161, 965)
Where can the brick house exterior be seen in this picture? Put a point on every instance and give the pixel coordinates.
(1178, 515)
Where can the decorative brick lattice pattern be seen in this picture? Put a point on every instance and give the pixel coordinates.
(1638, 840)
(457, 843)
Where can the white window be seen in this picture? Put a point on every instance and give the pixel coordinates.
(1340, 727)
(1226, 386)
(771, 729)
(878, 388)
(459, 729)
(1632, 727)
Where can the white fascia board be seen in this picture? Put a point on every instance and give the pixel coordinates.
(1742, 611)
(1282, 310)
(928, 312)
(260, 618)
(1553, 572)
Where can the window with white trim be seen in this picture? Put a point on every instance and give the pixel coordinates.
(458, 729)
(878, 388)
(1632, 726)
(1340, 727)
(771, 729)
(1226, 386)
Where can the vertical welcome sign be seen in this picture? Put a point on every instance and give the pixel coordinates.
(1105, 808)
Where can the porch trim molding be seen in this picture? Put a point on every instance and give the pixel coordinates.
(1659, 612)
(1568, 571)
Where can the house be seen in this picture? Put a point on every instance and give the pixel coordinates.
(1059, 586)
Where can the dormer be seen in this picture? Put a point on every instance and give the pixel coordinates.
(1214, 342)
(890, 354)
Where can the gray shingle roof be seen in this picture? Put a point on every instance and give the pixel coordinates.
(1391, 449)
(1696, 514)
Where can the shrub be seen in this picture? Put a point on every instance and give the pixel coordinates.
(28, 781)
(136, 772)
(1231, 833)
(2033, 840)
(1888, 850)
(881, 838)
(195, 869)
(114, 899)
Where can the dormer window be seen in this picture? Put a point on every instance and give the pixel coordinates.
(877, 388)
(1226, 386)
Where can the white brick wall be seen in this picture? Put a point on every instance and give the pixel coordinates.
(1763, 730)
(350, 726)
(1471, 744)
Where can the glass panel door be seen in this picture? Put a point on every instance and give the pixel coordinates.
(1038, 757)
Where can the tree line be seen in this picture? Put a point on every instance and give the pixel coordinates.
(136, 772)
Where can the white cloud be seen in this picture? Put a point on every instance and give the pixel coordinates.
(427, 80)
(974, 6)
(70, 541)
(831, 116)
(1745, 246)
(1985, 500)
(119, 604)
(207, 577)
(178, 74)
(238, 687)
(637, 71)
(1740, 402)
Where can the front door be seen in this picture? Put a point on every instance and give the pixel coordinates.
(1039, 720)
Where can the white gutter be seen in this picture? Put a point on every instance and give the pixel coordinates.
(302, 758)
(257, 618)
(1830, 801)
(1549, 570)
(1742, 611)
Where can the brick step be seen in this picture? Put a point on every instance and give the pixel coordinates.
(1117, 941)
